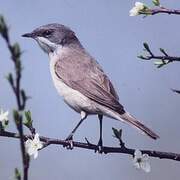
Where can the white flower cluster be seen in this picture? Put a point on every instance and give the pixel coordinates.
(140, 161)
(33, 145)
(136, 9)
(4, 117)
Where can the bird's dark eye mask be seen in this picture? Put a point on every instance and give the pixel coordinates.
(46, 33)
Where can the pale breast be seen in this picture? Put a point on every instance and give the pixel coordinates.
(73, 98)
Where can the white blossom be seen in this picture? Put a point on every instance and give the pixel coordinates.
(4, 117)
(33, 145)
(141, 161)
(136, 9)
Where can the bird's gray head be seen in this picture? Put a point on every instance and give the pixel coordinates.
(52, 36)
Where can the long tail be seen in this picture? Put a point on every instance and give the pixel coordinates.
(130, 119)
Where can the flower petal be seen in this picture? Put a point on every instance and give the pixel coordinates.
(145, 166)
(138, 153)
(36, 138)
(6, 113)
(139, 5)
(133, 12)
(145, 157)
(35, 154)
(39, 145)
(32, 146)
(31, 151)
(29, 147)
(137, 165)
(28, 143)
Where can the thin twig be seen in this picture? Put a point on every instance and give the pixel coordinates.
(176, 91)
(170, 58)
(158, 10)
(164, 59)
(162, 10)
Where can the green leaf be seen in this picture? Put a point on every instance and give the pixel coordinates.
(146, 46)
(10, 78)
(142, 57)
(2, 24)
(161, 65)
(3, 28)
(156, 2)
(28, 121)
(158, 63)
(17, 174)
(17, 117)
(117, 133)
(16, 50)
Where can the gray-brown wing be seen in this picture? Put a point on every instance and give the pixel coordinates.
(86, 76)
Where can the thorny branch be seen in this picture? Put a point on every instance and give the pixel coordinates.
(15, 83)
(106, 150)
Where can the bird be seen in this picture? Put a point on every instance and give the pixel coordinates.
(80, 79)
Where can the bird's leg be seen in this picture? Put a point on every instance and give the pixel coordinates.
(100, 142)
(70, 137)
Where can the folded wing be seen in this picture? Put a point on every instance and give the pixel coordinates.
(82, 73)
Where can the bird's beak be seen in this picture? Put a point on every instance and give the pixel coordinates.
(28, 35)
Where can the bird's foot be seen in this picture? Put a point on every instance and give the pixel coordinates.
(69, 144)
(99, 147)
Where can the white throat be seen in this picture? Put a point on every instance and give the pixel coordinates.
(46, 45)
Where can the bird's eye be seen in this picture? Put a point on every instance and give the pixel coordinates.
(47, 33)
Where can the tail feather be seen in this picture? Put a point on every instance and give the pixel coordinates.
(130, 119)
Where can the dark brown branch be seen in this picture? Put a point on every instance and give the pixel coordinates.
(123, 150)
(164, 58)
(170, 58)
(162, 10)
(25, 157)
(158, 10)
(15, 84)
